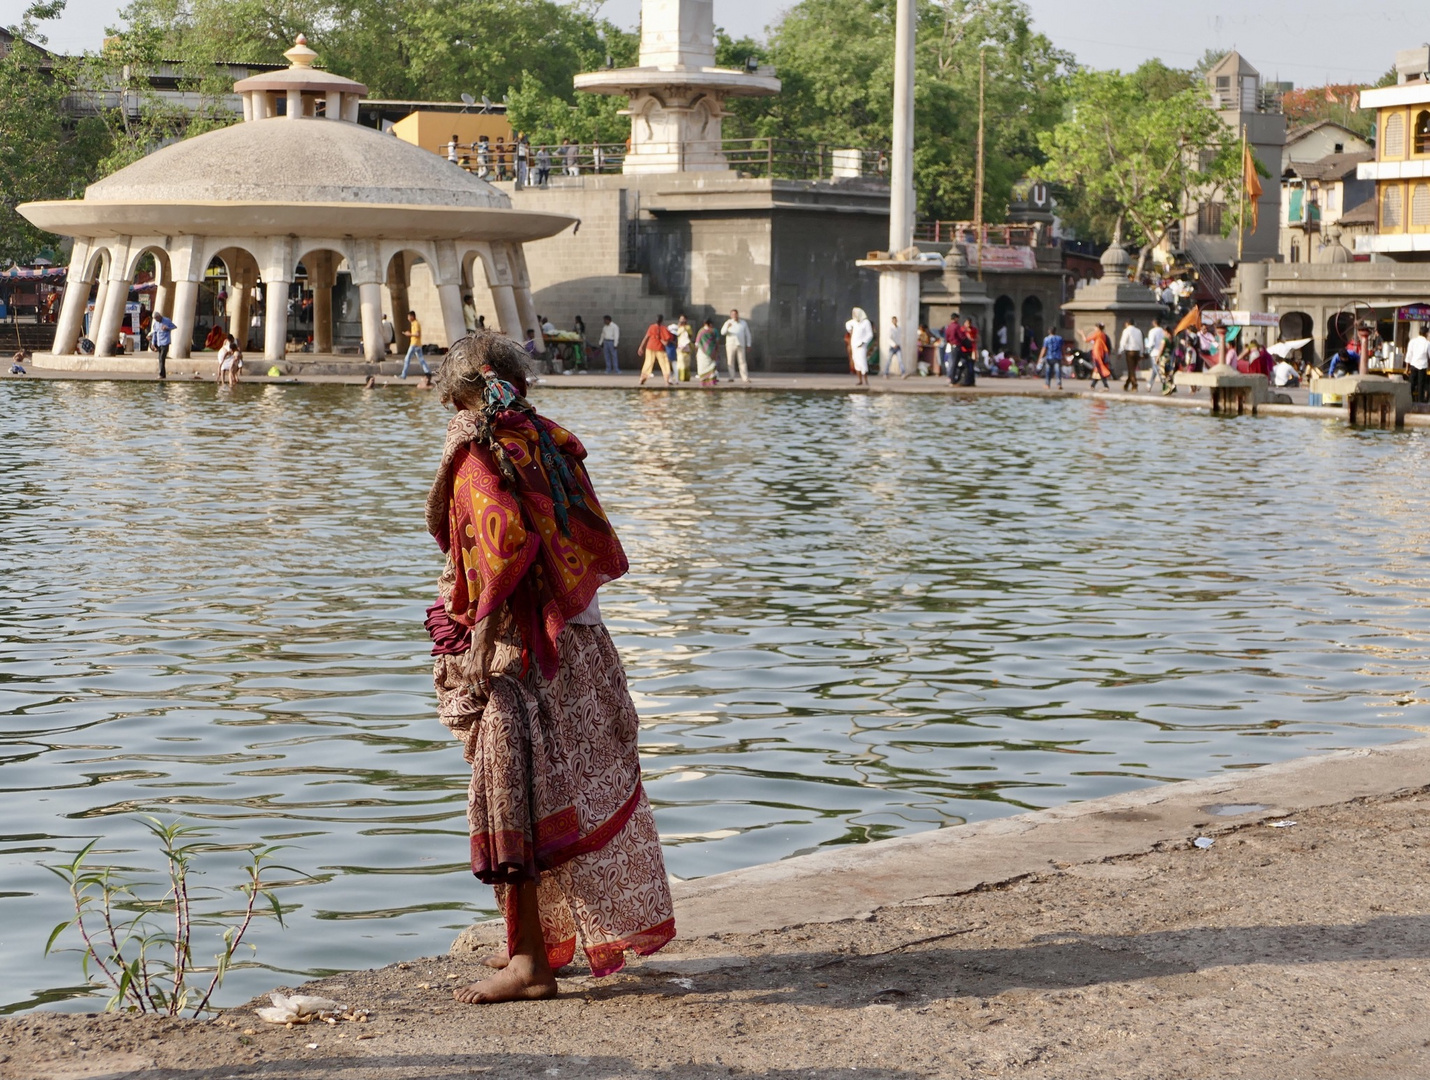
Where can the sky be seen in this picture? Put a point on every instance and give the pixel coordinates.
(1308, 42)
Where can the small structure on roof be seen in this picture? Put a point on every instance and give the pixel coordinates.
(298, 183)
(677, 94)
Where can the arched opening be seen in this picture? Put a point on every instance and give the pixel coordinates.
(1422, 132)
(230, 300)
(151, 289)
(1340, 330)
(211, 318)
(412, 288)
(96, 270)
(325, 314)
(1032, 314)
(1295, 325)
(1002, 338)
(475, 277)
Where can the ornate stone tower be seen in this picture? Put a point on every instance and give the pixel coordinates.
(677, 94)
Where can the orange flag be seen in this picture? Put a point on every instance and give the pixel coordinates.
(1192, 320)
(1252, 182)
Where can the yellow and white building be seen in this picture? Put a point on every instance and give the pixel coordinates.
(1401, 169)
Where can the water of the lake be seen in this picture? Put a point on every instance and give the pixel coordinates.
(848, 617)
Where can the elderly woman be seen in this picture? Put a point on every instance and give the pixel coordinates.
(528, 679)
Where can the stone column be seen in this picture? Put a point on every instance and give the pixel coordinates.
(321, 280)
(450, 297)
(112, 314)
(295, 104)
(186, 303)
(508, 316)
(525, 302)
(526, 311)
(447, 276)
(99, 297)
(333, 108)
(77, 286)
(367, 275)
(397, 289)
(186, 269)
(370, 303)
(500, 279)
(240, 303)
(275, 320)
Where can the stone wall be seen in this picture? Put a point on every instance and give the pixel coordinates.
(782, 252)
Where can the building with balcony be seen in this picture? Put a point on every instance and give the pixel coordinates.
(1401, 169)
(1314, 195)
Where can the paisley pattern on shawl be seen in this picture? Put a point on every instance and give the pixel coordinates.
(505, 542)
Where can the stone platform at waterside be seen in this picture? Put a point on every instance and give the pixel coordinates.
(1269, 923)
(338, 369)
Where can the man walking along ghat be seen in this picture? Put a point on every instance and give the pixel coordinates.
(1158, 345)
(1417, 363)
(736, 333)
(414, 346)
(1051, 356)
(653, 349)
(163, 329)
(610, 343)
(528, 678)
(1131, 346)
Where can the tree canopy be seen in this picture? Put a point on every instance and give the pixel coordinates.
(1135, 149)
(836, 61)
(43, 155)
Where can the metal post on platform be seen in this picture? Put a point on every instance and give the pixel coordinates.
(899, 291)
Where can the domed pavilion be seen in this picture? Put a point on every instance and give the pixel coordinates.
(298, 183)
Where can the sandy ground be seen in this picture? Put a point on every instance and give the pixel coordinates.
(1275, 953)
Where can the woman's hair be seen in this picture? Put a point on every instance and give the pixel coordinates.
(460, 379)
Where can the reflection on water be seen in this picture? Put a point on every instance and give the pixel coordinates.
(849, 617)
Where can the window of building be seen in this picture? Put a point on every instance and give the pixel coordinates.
(1295, 252)
(1209, 219)
(1393, 145)
(1422, 132)
(1390, 207)
(1420, 205)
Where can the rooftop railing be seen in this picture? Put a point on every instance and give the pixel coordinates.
(1036, 234)
(785, 159)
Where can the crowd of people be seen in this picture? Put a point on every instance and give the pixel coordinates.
(498, 159)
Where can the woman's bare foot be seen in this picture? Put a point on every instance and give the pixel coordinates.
(520, 980)
(497, 960)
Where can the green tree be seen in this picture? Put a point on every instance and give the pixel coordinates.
(43, 153)
(836, 61)
(1135, 159)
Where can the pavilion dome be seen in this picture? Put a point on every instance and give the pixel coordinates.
(301, 160)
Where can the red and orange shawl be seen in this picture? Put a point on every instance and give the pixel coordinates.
(505, 541)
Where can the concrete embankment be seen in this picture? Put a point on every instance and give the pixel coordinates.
(141, 370)
(1093, 940)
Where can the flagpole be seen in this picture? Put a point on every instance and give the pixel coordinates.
(1241, 206)
(978, 180)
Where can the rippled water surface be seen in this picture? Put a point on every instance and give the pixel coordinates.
(849, 617)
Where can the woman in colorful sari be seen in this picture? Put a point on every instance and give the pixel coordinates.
(705, 345)
(528, 678)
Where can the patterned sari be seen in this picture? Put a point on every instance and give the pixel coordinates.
(528, 678)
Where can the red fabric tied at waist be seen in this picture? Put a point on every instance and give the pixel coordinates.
(449, 637)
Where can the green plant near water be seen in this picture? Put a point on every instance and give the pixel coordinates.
(138, 935)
